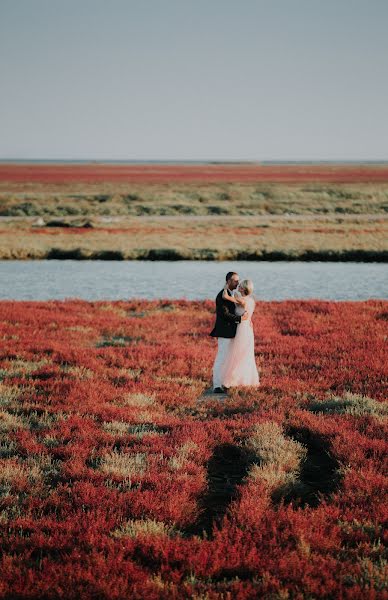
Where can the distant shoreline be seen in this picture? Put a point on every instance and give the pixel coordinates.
(186, 172)
(109, 161)
(207, 255)
(194, 213)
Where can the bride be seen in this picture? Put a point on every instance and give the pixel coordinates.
(239, 367)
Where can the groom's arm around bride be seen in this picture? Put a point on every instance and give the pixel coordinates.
(226, 319)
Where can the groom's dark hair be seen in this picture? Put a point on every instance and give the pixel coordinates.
(230, 274)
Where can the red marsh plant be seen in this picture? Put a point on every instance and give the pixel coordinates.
(118, 478)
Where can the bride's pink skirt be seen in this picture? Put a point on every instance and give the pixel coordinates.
(239, 367)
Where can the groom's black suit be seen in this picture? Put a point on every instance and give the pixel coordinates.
(226, 319)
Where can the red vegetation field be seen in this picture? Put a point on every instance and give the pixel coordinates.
(210, 173)
(116, 482)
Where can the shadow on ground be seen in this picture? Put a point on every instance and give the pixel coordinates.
(226, 470)
(319, 475)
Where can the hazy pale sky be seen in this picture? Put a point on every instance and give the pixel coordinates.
(194, 79)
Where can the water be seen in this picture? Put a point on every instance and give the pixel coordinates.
(111, 280)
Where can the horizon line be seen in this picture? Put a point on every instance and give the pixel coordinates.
(197, 161)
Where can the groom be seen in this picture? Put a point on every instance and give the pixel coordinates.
(225, 327)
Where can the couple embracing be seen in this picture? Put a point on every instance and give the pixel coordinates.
(235, 361)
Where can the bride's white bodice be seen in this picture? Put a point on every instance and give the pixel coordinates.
(240, 310)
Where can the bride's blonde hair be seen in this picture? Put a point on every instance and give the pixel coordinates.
(247, 286)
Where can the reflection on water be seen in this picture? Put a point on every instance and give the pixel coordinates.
(99, 280)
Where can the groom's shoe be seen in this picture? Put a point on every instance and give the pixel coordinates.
(218, 390)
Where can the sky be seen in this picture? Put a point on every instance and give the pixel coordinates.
(194, 79)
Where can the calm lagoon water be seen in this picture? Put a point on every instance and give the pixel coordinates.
(111, 280)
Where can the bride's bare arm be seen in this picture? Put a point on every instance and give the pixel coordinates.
(241, 300)
(226, 296)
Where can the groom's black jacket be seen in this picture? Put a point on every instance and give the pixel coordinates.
(226, 319)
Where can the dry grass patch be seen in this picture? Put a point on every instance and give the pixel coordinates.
(124, 374)
(43, 465)
(8, 447)
(10, 422)
(372, 574)
(145, 416)
(21, 415)
(139, 430)
(15, 470)
(138, 400)
(114, 309)
(8, 394)
(34, 470)
(351, 404)
(77, 372)
(124, 465)
(119, 341)
(38, 420)
(116, 427)
(19, 367)
(34, 467)
(50, 441)
(11, 471)
(178, 462)
(184, 453)
(279, 457)
(144, 527)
